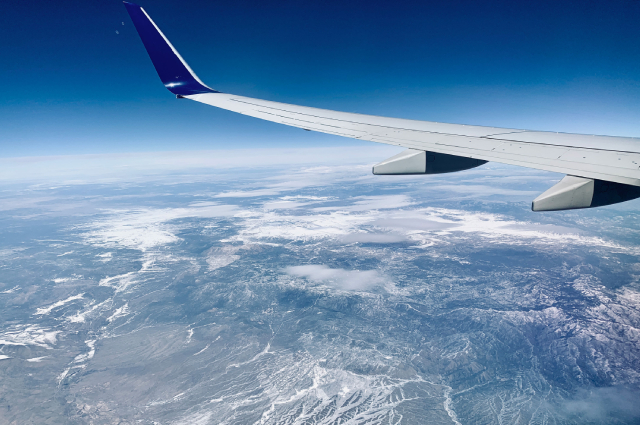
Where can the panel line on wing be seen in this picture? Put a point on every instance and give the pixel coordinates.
(487, 137)
(297, 119)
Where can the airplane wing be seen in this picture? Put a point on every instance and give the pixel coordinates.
(601, 170)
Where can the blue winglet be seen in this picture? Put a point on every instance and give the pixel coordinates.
(172, 69)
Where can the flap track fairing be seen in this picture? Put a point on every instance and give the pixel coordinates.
(414, 161)
(574, 192)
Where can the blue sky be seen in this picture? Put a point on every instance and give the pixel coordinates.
(78, 81)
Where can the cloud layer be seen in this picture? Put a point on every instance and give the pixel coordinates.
(349, 280)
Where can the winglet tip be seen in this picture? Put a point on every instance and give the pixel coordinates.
(173, 71)
(131, 6)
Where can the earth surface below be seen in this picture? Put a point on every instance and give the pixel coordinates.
(315, 295)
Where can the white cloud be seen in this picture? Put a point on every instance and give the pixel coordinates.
(283, 205)
(477, 190)
(369, 203)
(80, 169)
(144, 229)
(247, 193)
(350, 280)
(219, 257)
(363, 237)
(331, 222)
(412, 223)
(425, 226)
(267, 225)
(293, 202)
(296, 180)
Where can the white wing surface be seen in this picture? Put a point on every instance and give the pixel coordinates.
(615, 159)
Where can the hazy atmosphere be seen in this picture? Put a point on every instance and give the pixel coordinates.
(78, 79)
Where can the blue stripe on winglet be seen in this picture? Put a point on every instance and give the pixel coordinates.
(173, 71)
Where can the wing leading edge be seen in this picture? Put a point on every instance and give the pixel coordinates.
(594, 158)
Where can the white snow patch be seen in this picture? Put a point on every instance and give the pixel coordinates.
(36, 359)
(63, 375)
(10, 291)
(86, 356)
(80, 316)
(29, 335)
(119, 312)
(208, 345)
(62, 279)
(47, 310)
(119, 282)
(447, 406)
(378, 396)
(200, 418)
(203, 350)
(106, 257)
